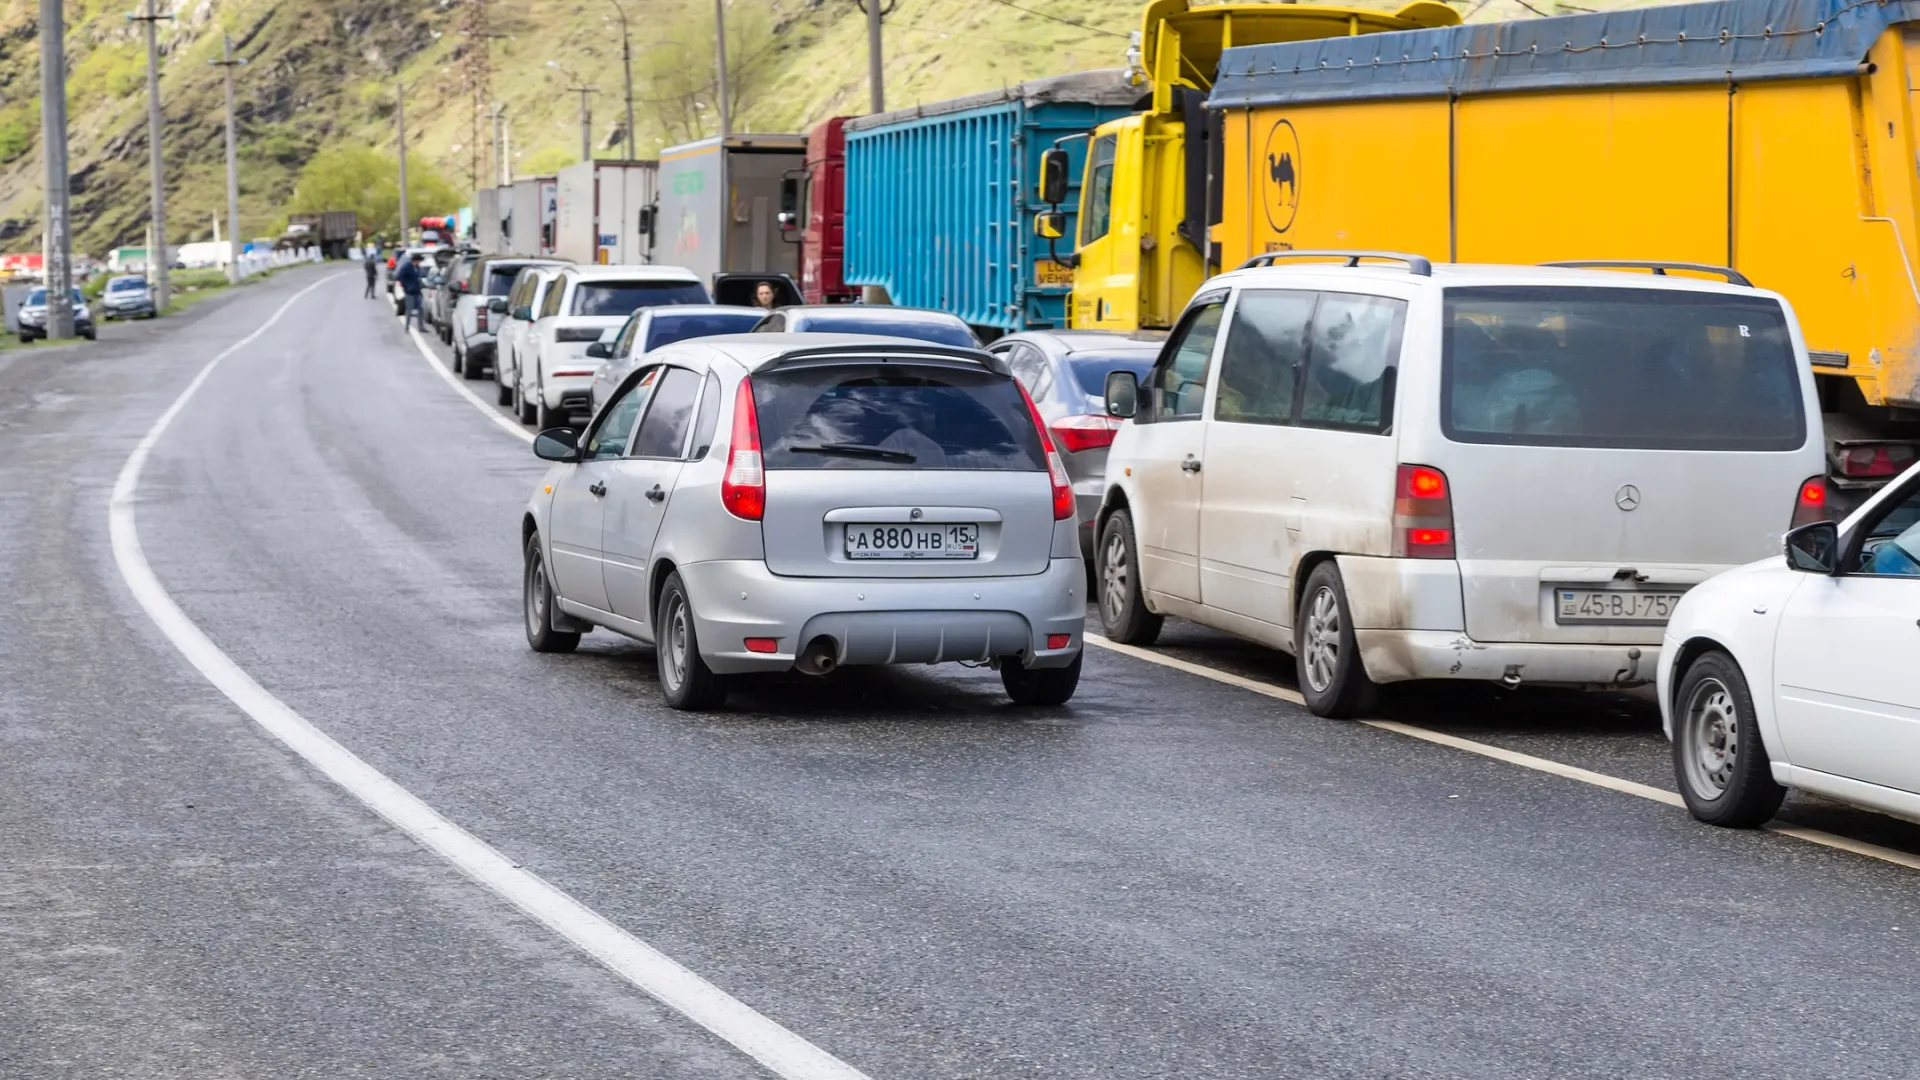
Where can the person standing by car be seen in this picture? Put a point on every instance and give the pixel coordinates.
(410, 276)
(373, 269)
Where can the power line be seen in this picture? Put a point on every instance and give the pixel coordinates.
(1058, 19)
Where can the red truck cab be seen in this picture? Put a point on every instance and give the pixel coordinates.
(823, 241)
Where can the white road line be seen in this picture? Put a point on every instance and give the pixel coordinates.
(1511, 757)
(460, 385)
(781, 1051)
(1273, 690)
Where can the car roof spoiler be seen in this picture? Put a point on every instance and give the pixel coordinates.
(946, 355)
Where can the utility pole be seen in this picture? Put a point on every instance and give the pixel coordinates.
(586, 121)
(720, 64)
(626, 63)
(158, 262)
(55, 266)
(500, 144)
(876, 88)
(229, 61)
(400, 115)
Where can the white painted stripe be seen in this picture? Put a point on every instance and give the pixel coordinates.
(1511, 757)
(507, 424)
(781, 1051)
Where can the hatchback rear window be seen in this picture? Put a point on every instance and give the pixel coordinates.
(623, 297)
(894, 416)
(1627, 368)
(126, 284)
(667, 329)
(940, 333)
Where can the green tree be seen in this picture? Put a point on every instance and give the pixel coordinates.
(547, 161)
(367, 182)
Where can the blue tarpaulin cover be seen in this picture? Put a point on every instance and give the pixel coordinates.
(1732, 40)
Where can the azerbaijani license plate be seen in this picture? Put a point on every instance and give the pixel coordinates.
(1049, 272)
(913, 541)
(1614, 606)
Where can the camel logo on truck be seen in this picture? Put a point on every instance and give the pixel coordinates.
(1280, 176)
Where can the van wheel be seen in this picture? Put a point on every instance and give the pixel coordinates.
(1040, 686)
(522, 408)
(1332, 678)
(685, 679)
(537, 590)
(502, 391)
(1123, 610)
(1718, 759)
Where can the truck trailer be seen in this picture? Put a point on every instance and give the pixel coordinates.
(823, 239)
(333, 230)
(720, 206)
(1772, 137)
(598, 210)
(532, 221)
(1139, 248)
(939, 213)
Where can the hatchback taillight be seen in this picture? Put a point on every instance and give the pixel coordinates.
(1810, 502)
(743, 490)
(1422, 514)
(1056, 469)
(1078, 433)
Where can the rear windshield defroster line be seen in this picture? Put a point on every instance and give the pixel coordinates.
(894, 416)
(1624, 368)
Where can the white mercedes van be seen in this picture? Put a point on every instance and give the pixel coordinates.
(1396, 470)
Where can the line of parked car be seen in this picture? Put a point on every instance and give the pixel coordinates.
(1394, 471)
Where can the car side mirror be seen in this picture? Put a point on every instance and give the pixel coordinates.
(1814, 548)
(600, 350)
(557, 444)
(644, 226)
(1050, 225)
(1053, 176)
(497, 305)
(524, 313)
(1123, 394)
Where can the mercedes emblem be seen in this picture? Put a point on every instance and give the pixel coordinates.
(1627, 497)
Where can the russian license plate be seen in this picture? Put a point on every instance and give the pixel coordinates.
(1614, 606)
(1048, 272)
(913, 541)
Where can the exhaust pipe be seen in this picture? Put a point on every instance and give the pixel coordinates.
(820, 657)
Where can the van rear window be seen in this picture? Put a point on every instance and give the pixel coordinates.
(893, 416)
(1625, 368)
(623, 297)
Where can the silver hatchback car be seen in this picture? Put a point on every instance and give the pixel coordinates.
(772, 502)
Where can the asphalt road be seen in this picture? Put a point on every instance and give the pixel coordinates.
(1171, 877)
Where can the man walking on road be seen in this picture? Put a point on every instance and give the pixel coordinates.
(373, 269)
(411, 281)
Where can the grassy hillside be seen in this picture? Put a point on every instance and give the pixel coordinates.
(323, 72)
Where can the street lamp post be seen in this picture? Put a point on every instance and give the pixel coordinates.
(586, 111)
(626, 63)
(720, 64)
(57, 267)
(157, 261)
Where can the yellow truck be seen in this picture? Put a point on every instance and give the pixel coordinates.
(1774, 137)
(1144, 206)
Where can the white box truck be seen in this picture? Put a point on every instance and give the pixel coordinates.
(720, 205)
(599, 208)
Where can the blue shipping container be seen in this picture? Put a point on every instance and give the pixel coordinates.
(941, 197)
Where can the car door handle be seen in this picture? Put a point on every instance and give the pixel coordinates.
(657, 493)
(1191, 465)
(597, 488)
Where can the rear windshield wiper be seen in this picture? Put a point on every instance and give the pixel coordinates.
(847, 449)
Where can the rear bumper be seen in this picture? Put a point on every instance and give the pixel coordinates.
(884, 621)
(480, 354)
(567, 392)
(1405, 655)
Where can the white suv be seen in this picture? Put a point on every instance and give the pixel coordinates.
(581, 304)
(1402, 471)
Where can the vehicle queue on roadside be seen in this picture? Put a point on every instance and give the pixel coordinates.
(1391, 469)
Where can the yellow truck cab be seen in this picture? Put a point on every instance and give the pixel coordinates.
(1144, 195)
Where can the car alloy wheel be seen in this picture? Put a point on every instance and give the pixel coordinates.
(539, 595)
(1320, 654)
(1710, 735)
(1115, 577)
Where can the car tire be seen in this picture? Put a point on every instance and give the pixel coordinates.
(90, 335)
(502, 389)
(1040, 686)
(1332, 677)
(544, 418)
(537, 598)
(1721, 765)
(1123, 608)
(459, 365)
(446, 334)
(522, 408)
(685, 679)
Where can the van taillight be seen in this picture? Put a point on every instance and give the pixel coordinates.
(1056, 469)
(1422, 514)
(1810, 503)
(743, 490)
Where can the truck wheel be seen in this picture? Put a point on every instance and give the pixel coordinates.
(1332, 678)
(685, 679)
(1123, 610)
(1718, 759)
(1040, 686)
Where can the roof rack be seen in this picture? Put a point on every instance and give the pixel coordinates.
(1734, 277)
(1417, 265)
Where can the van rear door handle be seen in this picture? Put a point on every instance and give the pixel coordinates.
(657, 493)
(1191, 465)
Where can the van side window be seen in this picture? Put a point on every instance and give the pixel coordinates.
(1261, 361)
(1180, 376)
(1097, 214)
(1351, 362)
